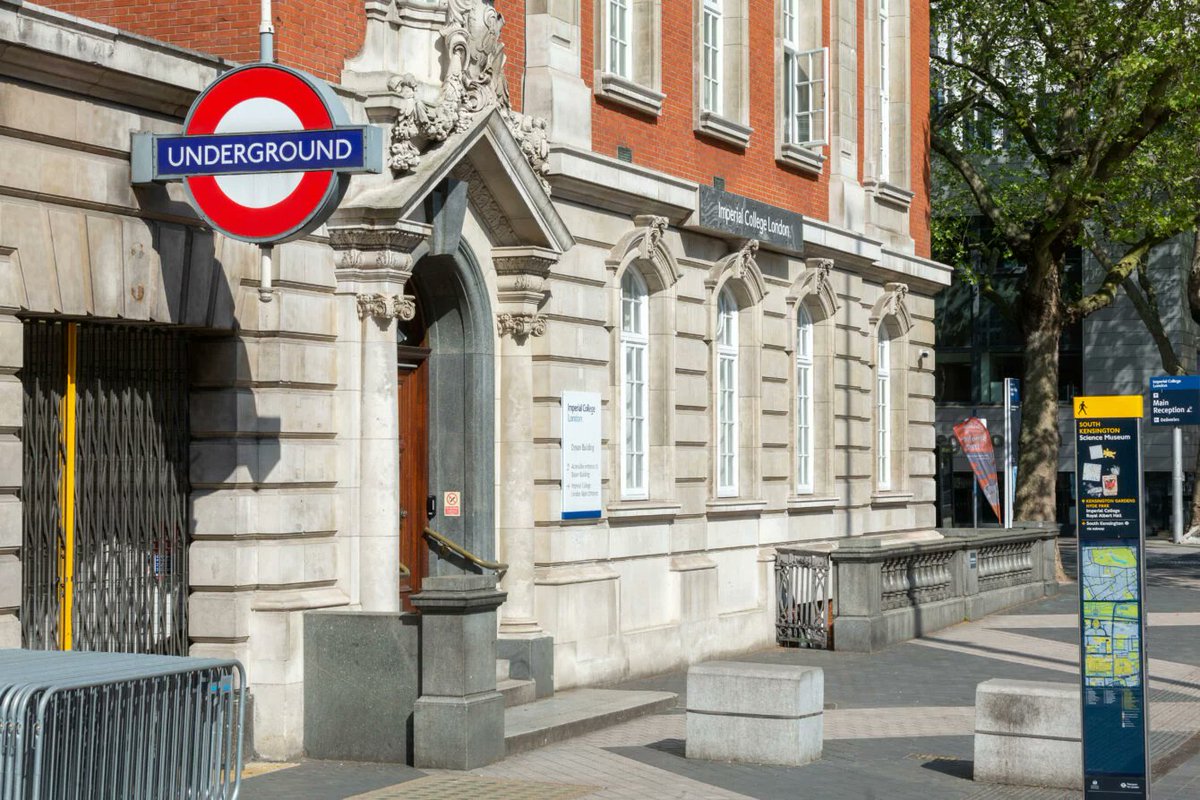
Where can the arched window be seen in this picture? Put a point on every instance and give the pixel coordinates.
(883, 409)
(727, 395)
(635, 342)
(804, 401)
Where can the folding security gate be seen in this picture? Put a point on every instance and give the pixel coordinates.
(105, 489)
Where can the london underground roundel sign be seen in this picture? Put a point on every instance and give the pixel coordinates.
(266, 153)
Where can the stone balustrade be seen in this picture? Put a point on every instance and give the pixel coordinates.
(889, 589)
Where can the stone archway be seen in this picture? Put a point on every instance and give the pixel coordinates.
(453, 297)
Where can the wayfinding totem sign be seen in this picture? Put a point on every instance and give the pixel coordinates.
(266, 154)
(1175, 401)
(1108, 483)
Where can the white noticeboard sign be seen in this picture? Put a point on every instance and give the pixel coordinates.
(580, 455)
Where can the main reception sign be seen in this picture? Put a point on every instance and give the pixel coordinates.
(266, 153)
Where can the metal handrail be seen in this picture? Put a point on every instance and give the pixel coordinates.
(445, 544)
(405, 572)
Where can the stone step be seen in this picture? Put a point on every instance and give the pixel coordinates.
(576, 712)
(517, 692)
(502, 670)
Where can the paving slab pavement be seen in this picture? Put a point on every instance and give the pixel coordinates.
(899, 723)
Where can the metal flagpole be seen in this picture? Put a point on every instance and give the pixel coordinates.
(266, 54)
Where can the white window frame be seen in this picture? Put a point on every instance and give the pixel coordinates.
(635, 405)
(885, 92)
(805, 428)
(727, 395)
(712, 58)
(883, 409)
(617, 38)
(805, 83)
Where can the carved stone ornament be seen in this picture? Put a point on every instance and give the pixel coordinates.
(405, 308)
(816, 286)
(474, 82)
(744, 260)
(379, 306)
(519, 326)
(892, 303)
(386, 248)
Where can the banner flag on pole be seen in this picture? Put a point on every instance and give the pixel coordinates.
(976, 443)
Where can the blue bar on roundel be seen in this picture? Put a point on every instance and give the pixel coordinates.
(339, 149)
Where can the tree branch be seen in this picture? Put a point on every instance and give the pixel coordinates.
(1156, 112)
(1015, 235)
(1008, 98)
(1146, 304)
(1115, 276)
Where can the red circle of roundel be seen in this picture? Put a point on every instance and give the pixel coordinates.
(259, 80)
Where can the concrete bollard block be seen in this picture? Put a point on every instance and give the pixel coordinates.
(755, 713)
(1027, 733)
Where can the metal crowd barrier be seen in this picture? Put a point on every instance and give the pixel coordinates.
(116, 726)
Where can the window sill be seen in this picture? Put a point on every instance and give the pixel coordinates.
(807, 502)
(891, 498)
(801, 157)
(642, 511)
(726, 130)
(889, 194)
(735, 507)
(628, 93)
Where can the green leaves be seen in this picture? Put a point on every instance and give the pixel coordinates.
(1055, 117)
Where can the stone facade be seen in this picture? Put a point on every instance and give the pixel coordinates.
(517, 273)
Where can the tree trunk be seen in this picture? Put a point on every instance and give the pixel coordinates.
(1037, 467)
(1037, 463)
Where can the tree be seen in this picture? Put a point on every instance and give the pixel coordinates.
(1064, 124)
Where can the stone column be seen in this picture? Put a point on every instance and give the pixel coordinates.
(458, 722)
(11, 357)
(847, 201)
(554, 89)
(522, 273)
(521, 277)
(373, 265)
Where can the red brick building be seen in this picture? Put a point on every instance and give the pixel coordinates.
(319, 35)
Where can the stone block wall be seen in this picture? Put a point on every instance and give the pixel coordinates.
(11, 356)
(686, 575)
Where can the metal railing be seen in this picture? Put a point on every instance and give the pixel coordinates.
(116, 726)
(804, 592)
(443, 544)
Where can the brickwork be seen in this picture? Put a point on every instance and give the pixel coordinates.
(318, 35)
(313, 35)
(920, 211)
(669, 143)
(514, 48)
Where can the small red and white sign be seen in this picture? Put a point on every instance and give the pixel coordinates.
(452, 504)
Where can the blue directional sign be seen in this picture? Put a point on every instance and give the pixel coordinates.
(340, 149)
(1175, 400)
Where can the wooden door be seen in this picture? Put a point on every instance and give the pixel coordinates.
(413, 399)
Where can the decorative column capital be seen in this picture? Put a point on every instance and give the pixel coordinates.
(521, 325)
(370, 258)
(521, 274)
(386, 307)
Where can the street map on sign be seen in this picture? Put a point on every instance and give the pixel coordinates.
(1111, 617)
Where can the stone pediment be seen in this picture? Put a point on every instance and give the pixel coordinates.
(502, 188)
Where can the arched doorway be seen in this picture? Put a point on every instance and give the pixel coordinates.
(446, 401)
